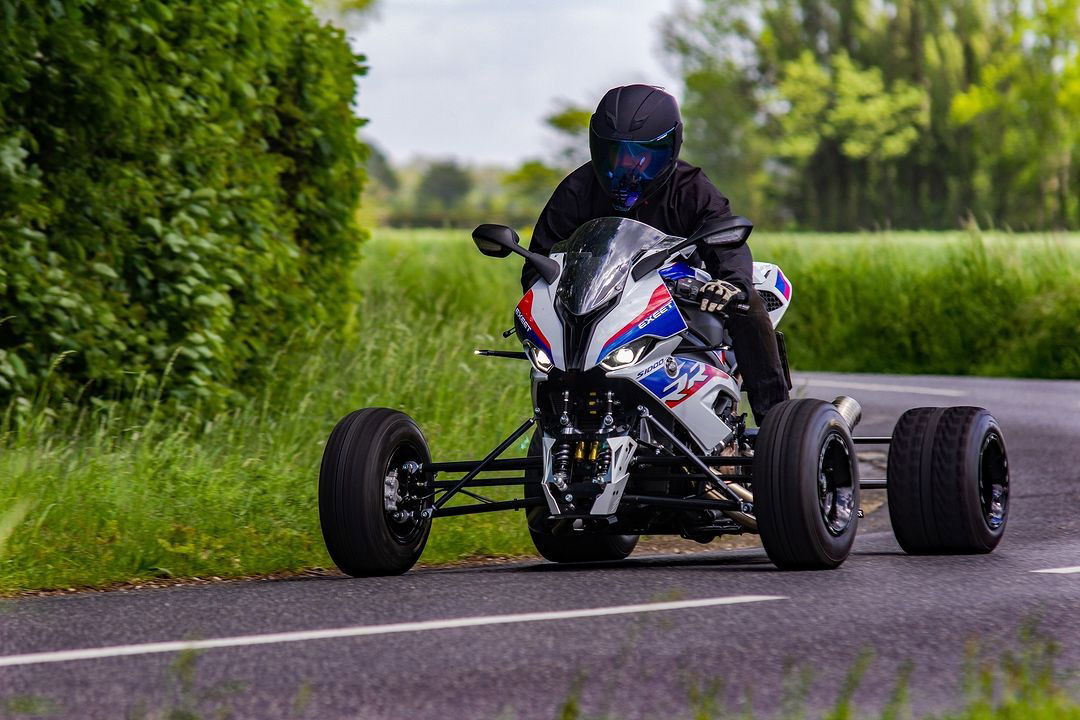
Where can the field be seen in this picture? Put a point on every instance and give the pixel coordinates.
(117, 492)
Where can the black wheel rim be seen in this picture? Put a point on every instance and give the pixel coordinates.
(835, 485)
(402, 513)
(993, 481)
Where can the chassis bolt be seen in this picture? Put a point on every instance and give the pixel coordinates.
(568, 497)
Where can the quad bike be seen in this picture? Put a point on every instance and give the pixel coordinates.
(636, 429)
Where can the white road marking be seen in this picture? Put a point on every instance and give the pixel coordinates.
(1060, 571)
(365, 630)
(879, 387)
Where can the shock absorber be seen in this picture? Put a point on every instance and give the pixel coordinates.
(560, 465)
(603, 463)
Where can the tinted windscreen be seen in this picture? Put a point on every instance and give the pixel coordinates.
(597, 258)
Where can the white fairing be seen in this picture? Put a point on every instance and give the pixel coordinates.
(771, 282)
(688, 388)
(536, 312)
(622, 452)
(645, 310)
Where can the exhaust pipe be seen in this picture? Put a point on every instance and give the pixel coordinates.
(849, 409)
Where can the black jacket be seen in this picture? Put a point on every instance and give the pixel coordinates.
(679, 207)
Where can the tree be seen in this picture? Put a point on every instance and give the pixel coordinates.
(444, 185)
(839, 114)
(1026, 109)
(571, 123)
(530, 187)
(379, 168)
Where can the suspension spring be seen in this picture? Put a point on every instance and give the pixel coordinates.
(560, 464)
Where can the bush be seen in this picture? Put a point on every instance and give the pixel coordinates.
(177, 187)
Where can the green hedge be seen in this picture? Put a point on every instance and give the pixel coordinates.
(177, 188)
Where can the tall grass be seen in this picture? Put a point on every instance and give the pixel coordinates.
(92, 493)
(946, 303)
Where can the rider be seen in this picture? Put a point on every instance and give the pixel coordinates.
(635, 172)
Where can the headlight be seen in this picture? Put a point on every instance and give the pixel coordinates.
(539, 358)
(626, 355)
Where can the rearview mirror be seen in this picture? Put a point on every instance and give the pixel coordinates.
(495, 240)
(728, 232)
(500, 241)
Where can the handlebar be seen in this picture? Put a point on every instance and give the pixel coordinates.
(689, 290)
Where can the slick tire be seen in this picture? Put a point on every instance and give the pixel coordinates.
(360, 534)
(806, 486)
(948, 481)
(574, 548)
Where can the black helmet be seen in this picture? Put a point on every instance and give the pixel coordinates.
(634, 139)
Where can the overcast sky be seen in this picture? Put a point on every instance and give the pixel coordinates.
(473, 78)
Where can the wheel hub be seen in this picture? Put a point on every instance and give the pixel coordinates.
(404, 493)
(993, 481)
(836, 487)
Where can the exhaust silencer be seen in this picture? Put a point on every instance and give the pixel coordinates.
(849, 409)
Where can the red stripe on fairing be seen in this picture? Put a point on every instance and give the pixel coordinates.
(659, 299)
(525, 306)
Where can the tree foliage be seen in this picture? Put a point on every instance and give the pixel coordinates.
(840, 114)
(444, 185)
(532, 184)
(177, 188)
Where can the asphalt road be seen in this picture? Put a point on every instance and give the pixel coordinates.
(752, 626)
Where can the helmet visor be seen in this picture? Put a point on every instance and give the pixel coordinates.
(628, 169)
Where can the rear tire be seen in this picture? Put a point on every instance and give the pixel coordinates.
(948, 481)
(574, 548)
(806, 485)
(362, 537)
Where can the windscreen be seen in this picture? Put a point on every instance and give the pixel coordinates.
(597, 258)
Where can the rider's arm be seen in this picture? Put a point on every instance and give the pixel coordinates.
(702, 203)
(559, 219)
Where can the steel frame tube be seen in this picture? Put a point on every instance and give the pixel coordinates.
(488, 507)
(690, 455)
(681, 503)
(490, 456)
(485, 482)
(667, 460)
(525, 463)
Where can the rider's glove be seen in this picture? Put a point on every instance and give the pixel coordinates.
(716, 294)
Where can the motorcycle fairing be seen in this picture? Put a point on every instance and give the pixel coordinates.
(660, 319)
(688, 388)
(774, 288)
(645, 310)
(536, 321)
(678, 270)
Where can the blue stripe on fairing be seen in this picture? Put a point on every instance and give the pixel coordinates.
(676, 271)
(668, 324)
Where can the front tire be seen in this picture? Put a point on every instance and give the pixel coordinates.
(948, 481)
(363, 460)
(574, 548)
(806, 485)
